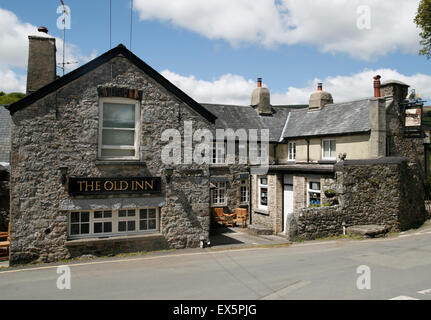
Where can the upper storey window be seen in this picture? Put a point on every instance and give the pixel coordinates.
(329, 151)
(119, 129)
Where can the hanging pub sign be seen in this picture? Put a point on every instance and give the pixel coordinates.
(413, 117)
(136, 185)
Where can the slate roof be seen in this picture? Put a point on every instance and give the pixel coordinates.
(4, 134)
(334, 119)
(245, 117)
(93, 64)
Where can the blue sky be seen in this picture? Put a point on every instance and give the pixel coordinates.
(215, 49)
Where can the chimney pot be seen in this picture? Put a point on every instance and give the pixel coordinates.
(319, 86)
(377, 93)
(259, 82)
(43, 29)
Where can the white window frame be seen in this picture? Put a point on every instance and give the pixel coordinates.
(137, 129)
(115, 219)
(217, 157)
(244, 191)
(334, 157)
(262, 186)
(310, 190)
(218, 194)
(291, 153)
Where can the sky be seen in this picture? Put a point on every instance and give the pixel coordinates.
(214, 50)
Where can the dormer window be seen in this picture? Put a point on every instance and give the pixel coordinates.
(119, 128)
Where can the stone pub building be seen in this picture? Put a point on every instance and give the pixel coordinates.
(87, 175)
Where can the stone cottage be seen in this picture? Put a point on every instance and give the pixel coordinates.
(87, 175)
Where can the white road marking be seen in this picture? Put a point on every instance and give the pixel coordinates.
(403, 298)
(427, 291)
(129, 260)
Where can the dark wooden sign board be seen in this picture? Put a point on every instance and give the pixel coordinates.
(135, 185)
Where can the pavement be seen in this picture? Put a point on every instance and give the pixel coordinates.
(396, 268)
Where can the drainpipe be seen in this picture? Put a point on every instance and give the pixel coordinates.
(250, 194)
(308, 150)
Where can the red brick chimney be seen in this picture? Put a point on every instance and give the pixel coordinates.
(259, 82)
(377, 93)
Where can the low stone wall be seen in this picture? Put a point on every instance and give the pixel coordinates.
(387, 192)
(314, 223)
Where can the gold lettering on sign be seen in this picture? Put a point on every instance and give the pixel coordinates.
(149, 185)
(97, 185)
(124, 185)
(140, 185)
(80, 185)
(89, 185)
(105, 186)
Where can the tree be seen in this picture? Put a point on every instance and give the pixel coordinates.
(423, 21)
(11, 97)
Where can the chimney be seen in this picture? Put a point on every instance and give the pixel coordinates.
(377, 93)
(259, 82)
(319, 99)
(42, 64)
(261, 100)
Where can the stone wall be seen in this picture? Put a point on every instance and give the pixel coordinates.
(62, 129)
(271, 217)
(4, 199)
(383, 191)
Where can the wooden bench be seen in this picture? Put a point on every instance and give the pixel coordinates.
(227, 220)
(5, 244)
(241, 216)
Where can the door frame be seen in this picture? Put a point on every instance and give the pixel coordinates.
(286, 183)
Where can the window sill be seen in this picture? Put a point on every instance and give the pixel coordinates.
(221, 205)
(120, 163)
(94, 240)
(261, 211)
(327, 161)
(219, 166)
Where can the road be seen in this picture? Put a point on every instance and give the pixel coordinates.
(400, 268)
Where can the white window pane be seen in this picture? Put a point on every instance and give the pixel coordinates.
(118, 153)
(118, 137)
(118, 115)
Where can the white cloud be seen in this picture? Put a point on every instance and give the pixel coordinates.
(331, 25)
(14, 51)
(234, 89)
(229, 89)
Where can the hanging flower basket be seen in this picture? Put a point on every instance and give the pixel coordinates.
(330, 193)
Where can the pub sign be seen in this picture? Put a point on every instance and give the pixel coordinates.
(101, 186)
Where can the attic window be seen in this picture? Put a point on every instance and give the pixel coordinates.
(119, 128)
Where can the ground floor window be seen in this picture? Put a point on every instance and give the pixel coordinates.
(113, 222)
(244, 190)
(218, 194)
(314, 194)
(263, 192)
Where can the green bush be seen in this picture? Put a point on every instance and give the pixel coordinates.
(11, 97)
